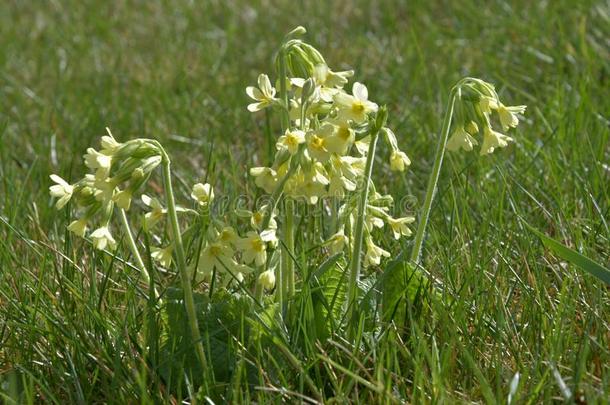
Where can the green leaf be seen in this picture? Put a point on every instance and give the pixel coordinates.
(401, 284)
(573, 256)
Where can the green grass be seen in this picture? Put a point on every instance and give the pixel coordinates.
(76, 326)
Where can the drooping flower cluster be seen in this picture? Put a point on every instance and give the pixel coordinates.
(118, 171)
(476, 100)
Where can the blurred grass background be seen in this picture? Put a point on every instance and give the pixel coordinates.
(177, 70)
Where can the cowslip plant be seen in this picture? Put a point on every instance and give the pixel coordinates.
(325, 153)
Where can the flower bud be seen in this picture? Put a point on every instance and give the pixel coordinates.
(381, 118)
(267, 279)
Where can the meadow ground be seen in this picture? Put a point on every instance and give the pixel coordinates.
(510, 311)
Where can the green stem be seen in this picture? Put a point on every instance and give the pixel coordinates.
(134, 248)
(355, 265)
(132, 245)
(433, 180)
(258, 292)
(283, 90)
(288, 270)
(189, 302)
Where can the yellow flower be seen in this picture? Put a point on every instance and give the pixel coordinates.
(254, 246)
(290, 141)
(109, 144)
(399, 160)
(399, 226)
(228, 235)
(373, 254)
(509, 115)
(203, 194)
(340, 140)
(264, 94)
(78, 227)
(216, 255)
(265, 178)
(493, 140)
(461, 139)
(99, 162)
(267, 279)
(123, 199)
(101, 238)
(162, 255)
(155, 215)
(337, 242)
(316, 143)
(61, 190)
(487, 104)
(357, 106)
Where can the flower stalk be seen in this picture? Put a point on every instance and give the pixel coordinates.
(187, 288)
(433, 180)
(356, 264)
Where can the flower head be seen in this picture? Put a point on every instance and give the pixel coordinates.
(290, 141)
(399, 160)
(493, 140)
(78, 227)
(99, 162)
(254, 246)
(509, 115)
(264, 94)
(355, 107)
(373, 254)
(264, 177)
(156, 213)
(123, 199)
(162, 255)
(216, 255)
(203, 194)
(267, 279)
(336, 243)
(461, 139)
(61, 190)
(101, 238)
(399, 226)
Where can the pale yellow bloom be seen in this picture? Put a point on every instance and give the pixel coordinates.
(109, 144)
(493, 140)
(316, 143)
(123, 199)
(265, 178)
(337, 242)
(156, 213)
(373, 254)
(355, 107)
(399, 226)
(399, 160)
(216, 255)
(267, 279)
(203, 194)
(162, 255)
(62, 190)
(487, 104)
(461, 139)
(254, 246)
(99, 162)
(509, 115)
(290, 141)
(102, 237)
(264, 94)
(340, 140)
(78, 227)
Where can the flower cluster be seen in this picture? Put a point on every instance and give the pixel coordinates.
(118, 170)
(323, 149)
(475, 102)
